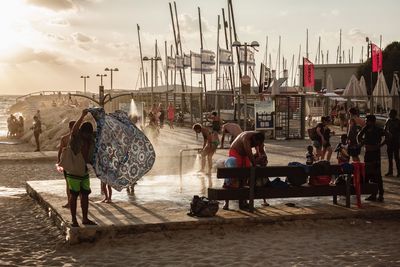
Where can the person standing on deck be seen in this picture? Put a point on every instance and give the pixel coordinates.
(392, 128)
(82, 141)
(371, 137)
(63, 144)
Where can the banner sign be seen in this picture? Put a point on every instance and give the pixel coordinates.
(264, 114)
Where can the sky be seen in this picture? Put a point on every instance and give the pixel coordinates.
(50, 44)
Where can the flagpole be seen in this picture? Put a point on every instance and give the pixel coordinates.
(140, 52)
(166, 64)
(217, 68)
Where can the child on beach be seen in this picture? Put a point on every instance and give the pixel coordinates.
(341, 150)
(326, 146)
(310, 157)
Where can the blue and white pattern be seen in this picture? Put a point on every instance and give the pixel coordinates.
(122, 154)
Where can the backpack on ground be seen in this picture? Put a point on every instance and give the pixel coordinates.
(203, 207)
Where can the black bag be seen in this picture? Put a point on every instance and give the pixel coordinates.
(203, 207)
(312, 133)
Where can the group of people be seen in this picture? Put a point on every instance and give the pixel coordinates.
(361, 133)
(15, 126)
(211, 139)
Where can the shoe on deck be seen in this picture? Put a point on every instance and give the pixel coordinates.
(371, 198)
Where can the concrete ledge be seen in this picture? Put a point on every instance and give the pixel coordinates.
(131, 217)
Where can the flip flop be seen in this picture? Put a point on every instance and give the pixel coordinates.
(75, 224)
(89, 222)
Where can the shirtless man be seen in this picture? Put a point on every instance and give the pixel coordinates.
(210, 144)
(230, 128)
(241, 150)
(64, 143)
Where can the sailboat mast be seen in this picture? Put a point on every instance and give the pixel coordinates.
(141, 56)
(156, 65)
(307, 43)
(227, 48)
(340, 46)
(201, 48)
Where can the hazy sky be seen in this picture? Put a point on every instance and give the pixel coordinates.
(49, 44)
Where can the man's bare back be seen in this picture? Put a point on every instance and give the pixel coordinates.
(244, 143)
(232, 128)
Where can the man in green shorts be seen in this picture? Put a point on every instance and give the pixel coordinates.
(82, 141)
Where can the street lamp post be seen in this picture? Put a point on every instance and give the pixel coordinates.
(151, 59)
(101, 78)
(111, 70)
(245, 78)
(84, 83)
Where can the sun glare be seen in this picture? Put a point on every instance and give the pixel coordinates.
(14, 25)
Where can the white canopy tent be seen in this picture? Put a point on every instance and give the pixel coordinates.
(329, 85)
(381, 94)
(363, 87)
(395, 86)
(394, 92)
(352, 88)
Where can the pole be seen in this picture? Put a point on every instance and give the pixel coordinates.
(228, 47)
(245, 95)
(140, 51)
(111, 70)
(151, 74)
(217, 68)
(340, 46)
(307, 43)
(156, 65)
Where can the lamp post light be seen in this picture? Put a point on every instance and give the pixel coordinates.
(111, 70)
(151, 59)
(101, 78)
(245, 79)
(84, 83)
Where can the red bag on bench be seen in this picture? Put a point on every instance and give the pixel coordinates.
(320, 180)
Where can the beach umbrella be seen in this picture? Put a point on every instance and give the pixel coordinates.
(329, 85)
(352, 87)
(394, 92)
(363, 87)
(381, 93)
(395, 86)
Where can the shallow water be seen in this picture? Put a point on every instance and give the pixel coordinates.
(10, 192)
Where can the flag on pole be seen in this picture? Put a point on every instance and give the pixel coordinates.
(186, 60)
(376, 58)
(308, 73)
(170, 63)
(250, 57)
(207, 57)
(179, 62)
(225, 57)
(198, 65)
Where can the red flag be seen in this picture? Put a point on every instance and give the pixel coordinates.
(376, 58)
(308, 73)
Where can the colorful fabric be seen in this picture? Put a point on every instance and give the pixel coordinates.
(123, 154)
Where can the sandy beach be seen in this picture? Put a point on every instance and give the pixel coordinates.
(29, 238)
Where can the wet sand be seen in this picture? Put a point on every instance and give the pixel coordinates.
(28, 238)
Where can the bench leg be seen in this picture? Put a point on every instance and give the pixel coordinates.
(335, 199)
(251, 188)
(348, 185)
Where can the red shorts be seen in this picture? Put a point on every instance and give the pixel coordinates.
(241, 161)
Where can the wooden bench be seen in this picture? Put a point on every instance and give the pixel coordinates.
(252, 191)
